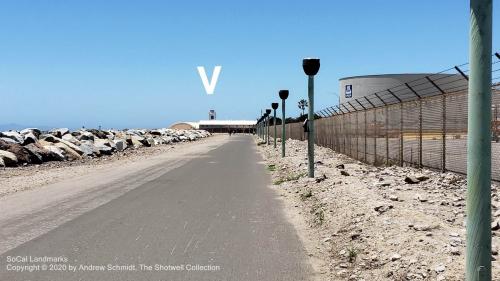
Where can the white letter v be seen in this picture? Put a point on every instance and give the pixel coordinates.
(209, 87)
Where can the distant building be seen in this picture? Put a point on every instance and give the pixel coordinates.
(185, 126)
(357, 87)
(211, 115)
(218, 126)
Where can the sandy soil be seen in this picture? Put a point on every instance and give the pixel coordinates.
(362, 222)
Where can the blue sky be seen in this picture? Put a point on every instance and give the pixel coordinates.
(133, 63)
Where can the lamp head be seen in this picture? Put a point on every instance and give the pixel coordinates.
(310, 66)
(268, 111)
(274, 105)
(283, 94)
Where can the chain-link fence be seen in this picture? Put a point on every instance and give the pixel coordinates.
(422, 123)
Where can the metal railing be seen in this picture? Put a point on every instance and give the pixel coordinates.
(422, 123)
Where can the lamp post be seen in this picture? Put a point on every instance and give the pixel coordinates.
(268, 112)
(283, 96)
(311, 68)
(478, 258)
(262, 124)
(274, 105)
(258, 127)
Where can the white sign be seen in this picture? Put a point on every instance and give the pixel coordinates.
(209, 87)
(348, 91)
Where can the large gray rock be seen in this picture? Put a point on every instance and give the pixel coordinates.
(59, 132)
(167, 140)
(23, 155)
(99, 133)
(84, 135)
(71, 139)
(87, 148)
(90, 144)
(34, 131)
(134, 142)
(45, 154)
(15, 136)
(111, 135)
(157, 141)
(48, 138)
(55, 150)
(120, 144)
(138, 141)
(8, 140)
(104, 142)
(72, 146)
(69, 153)
(136, 132)
(8, 158)
(105, 150)
(150, 141)
(29, 138)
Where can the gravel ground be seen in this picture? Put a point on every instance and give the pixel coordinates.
(32, 176)
(367, 223)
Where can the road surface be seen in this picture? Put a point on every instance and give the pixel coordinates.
(212, 217)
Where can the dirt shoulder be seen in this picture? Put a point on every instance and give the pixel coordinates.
(361, 222)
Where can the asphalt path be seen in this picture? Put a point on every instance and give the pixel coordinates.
(213, 218)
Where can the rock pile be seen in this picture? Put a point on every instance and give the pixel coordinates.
(32, 146)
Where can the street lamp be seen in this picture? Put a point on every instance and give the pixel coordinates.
(268, 112)
(274, 105)
(283, 96)
(258, 126)
(311, 68)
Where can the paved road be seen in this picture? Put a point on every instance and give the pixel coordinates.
(215, 211)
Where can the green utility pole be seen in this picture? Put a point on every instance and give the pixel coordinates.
(283, 96)
(311, 68)
(274, 124)
(310, 121)
(262, 128)
(283, 133)
(268, 112)
(267, 130)
(478, 259)
(262, 123)
(274, 105)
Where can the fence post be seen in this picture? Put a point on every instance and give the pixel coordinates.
(337, 132)
(350, 134)
(420, 124)
(357, 135)
(343, 134)
(443, 138)
(401, 140)
(387, 162)
(334, 137)
(375, 136)
(366, 143)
